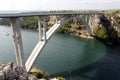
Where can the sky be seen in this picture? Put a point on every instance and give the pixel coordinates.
(41, 5)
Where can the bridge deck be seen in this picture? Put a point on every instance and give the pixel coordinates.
(28, 14)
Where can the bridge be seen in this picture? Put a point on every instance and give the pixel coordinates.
(44, 35)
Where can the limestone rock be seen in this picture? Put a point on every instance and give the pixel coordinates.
(14, 72)
(32, 78)
(2, 75)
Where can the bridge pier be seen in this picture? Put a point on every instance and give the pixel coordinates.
(56, 20)
(44, 28)
(90, 23)
(86, 17)
(15, 25)
(39, 28)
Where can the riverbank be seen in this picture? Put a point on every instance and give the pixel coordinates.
(87, 37)
(11, 71)
(43, 75)
(84, 34)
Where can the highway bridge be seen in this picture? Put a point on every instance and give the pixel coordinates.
(44, 35)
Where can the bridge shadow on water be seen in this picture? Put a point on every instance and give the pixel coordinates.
(78, 72)
(107, 68)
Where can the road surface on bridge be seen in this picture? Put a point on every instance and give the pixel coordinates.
(27, 14)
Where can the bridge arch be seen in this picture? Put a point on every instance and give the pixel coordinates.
(88, 28)
(41, 44)
(63, 21)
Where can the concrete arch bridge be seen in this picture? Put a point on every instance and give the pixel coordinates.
(88, 19)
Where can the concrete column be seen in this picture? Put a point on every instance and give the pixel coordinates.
(86, 18)
(40, 29)
(57, 19)
(90, 23)
(15, 25)
(44, 28)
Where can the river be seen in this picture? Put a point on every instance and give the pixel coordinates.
(66, 55)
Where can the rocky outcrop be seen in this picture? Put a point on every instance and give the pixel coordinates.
(13, 72)
(111, 33)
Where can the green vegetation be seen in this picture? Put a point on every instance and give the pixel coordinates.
(112, 12)
(109, 30)
(30, 23)
(65, 29)
(60, 78)
(5, 21)
(72, 27)
(109, 37)
(101, 32)
(40, 74)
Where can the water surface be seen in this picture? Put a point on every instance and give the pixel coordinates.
(63, 54)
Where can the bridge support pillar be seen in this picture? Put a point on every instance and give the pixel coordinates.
(15, 25)
(39, 28)
(86, 18)
(90, 23)
(57, 19)
(44, 28)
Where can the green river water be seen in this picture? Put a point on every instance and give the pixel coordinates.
(64, 54)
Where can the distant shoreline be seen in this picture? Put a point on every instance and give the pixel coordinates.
(87, 37)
